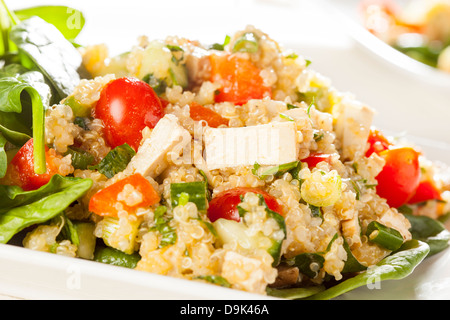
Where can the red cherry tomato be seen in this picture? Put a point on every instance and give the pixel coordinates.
(424, 192)
(315, 158)
(400, 176)
(21, 169)
(126, 106)
(377, 143)
(239, 77)
(224, 205)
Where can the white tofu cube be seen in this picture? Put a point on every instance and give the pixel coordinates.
(151, 157)
(353, 124)
(267, 144)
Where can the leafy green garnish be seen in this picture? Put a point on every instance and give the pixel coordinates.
(81, 159)
(221, 46)
(396, 266)
(115, 161)
(294, 293)
(47, 49)
(23, 97)
(158, 85)
(430, 231)
(116, 257)
(20, 209)
(68, 21)
(162, 225)
(218, 280)
(276, 171)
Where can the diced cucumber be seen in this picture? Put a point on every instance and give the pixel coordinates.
(86, 238)
(196, 192)
(230, 231)
(117, 65)
(112, 237)
(159, 61)
(78, 109)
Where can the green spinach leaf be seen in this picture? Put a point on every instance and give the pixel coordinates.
(54, 56)
(23, 98)
(294, 293)
(20, 209)
(68, 21)
(430, 231)
(396, 266)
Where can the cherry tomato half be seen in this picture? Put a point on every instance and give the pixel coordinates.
(424, 192)
(315, 158)
(239, 78)
(400, 176)
(224, 205)
(377, 142)
(21, 169)
(126, 106)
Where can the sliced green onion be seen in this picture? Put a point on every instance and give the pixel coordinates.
(276, 171)
(81, 159)
(386, 237)
(246, 43)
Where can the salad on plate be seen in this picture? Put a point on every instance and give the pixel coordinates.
(418, 28)
(233, 163)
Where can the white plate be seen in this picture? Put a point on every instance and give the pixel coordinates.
(404, 104)
(353, 23)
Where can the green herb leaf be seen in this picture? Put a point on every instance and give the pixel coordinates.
(221, 46)
(116, 257)
(309, 263)
(162, 225)
(276, 171)
(351, 264)
(218, 280)
(158, 85)
(81, 159)
(115, 161)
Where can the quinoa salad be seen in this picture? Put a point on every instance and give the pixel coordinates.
(418, 28)
(234, 164)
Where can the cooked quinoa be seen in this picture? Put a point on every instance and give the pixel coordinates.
(323, 207)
